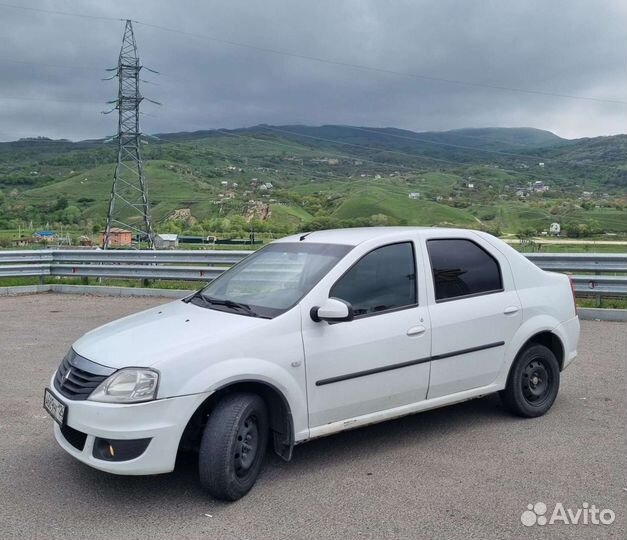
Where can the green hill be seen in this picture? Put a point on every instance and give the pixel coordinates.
(329, 176)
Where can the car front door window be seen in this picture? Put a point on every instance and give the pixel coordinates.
(382, 280)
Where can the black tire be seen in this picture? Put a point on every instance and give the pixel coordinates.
(533, 382)
(233, 446)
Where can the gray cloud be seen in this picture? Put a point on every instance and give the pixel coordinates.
(54, 64)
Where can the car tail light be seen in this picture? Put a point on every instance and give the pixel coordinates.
(572, 288)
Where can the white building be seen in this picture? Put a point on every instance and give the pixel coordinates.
(414, 195)
(166, 241)
(555, 229)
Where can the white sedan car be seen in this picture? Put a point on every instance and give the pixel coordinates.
(311, 335)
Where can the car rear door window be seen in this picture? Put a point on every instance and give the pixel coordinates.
(462, 268)
(382, 280)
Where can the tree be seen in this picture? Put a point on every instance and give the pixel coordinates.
(71, 215)
(61, 204)
(577, 230)
(379, 220)
(594, 227)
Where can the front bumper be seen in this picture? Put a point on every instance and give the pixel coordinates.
(162, 421)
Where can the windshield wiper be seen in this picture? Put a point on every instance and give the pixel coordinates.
(210, 301)
(197, 294)
(229, 304)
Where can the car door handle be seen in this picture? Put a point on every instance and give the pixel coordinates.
(511, 310)
(416, 330)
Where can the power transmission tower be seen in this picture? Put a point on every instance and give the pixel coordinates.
(128, 204)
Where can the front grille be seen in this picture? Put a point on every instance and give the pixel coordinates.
(77, 377)
(74, 437)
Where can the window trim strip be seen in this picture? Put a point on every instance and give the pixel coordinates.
(381, 369)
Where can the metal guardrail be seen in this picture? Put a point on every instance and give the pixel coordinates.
(189, 265)
(604, 274)
(595, 274)
(128, 256)
(580, 262)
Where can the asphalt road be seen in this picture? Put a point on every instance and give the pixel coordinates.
(467, 471)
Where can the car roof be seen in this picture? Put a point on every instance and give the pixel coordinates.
(357, 235)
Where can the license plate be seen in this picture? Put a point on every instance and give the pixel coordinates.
(55, 408)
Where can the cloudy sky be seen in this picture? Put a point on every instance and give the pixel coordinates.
(414, 64)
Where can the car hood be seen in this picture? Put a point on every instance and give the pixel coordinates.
(160, 334)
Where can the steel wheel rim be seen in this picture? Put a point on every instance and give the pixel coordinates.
(246, 446)
(536, 381)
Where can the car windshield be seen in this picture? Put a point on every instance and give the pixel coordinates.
(272, 280)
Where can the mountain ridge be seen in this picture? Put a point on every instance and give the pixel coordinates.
(546, 135)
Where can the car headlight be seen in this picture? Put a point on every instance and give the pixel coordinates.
(128, 385)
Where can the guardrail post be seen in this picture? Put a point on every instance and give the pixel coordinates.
(597, 296)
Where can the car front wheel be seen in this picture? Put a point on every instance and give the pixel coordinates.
(533, 382)
(233, 446)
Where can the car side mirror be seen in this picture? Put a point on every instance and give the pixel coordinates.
(332, 310)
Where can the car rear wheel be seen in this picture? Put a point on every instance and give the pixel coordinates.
(233, 446)
(533, 382)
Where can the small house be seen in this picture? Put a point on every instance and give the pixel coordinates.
(44, 236)
(166, 241)
(117, 237)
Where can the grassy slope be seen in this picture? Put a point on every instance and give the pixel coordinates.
(190, 178)
(379, 199)
(173, 186)
(168, 189)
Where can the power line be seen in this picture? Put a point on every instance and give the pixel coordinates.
(383, 70)
(46, 64)
(45, 100)
(339, 63)
(66, 13)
